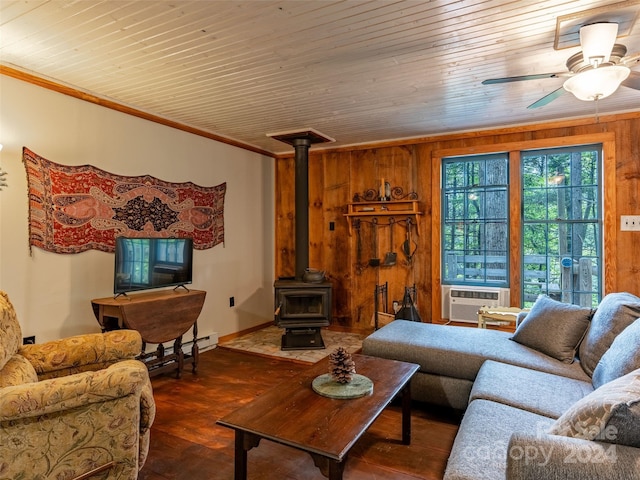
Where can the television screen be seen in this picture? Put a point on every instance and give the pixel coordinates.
(145, 263)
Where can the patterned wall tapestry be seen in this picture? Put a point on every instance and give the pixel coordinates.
(77, 208)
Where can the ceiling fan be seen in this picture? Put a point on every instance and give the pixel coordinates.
(595, 72)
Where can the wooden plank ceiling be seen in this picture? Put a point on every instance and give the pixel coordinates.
(358, 71)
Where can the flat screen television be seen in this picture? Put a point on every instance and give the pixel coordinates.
(146, 263)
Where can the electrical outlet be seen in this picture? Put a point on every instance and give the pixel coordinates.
(232, 301)
(29, 340)
(630, 223)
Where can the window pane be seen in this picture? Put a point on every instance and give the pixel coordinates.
(475, 220)
(562, 225)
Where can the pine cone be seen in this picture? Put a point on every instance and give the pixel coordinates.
(341, 365)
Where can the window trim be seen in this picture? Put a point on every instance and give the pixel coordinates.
(610, 214)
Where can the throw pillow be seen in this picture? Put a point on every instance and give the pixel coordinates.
(622, 357)
(615, 313)
(609, 414)
(553, 328)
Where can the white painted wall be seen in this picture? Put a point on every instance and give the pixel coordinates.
(52, 292)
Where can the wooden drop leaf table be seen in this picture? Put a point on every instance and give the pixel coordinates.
(160, 316)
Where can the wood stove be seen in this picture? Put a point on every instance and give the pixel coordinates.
(302, 309)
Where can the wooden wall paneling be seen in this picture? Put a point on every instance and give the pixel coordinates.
(631, 156)
(316, 212)
(285, 217)
(423, 271)
(622, 173)
(363, 172)
(385, 170)
(436, 216)
(515, 230)
(512, 137)
(615, 245)
(627, 201)
(337, 243)
(408, 274)
(363, 167)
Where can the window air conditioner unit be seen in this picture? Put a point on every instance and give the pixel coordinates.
(462, 302)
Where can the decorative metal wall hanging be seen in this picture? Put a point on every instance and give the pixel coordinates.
(384, 193)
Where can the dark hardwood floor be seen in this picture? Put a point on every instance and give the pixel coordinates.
(186, 443)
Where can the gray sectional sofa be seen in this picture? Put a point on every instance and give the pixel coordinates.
(558, 399)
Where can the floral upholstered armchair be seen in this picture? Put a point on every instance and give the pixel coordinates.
(75, 408)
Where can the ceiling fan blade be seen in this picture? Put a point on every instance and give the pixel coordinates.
(632, 81)
(539, 76)
(631, 60)
(547, 98)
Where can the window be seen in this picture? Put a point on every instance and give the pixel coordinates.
(559, 248)
(561, 224)
(475, 221)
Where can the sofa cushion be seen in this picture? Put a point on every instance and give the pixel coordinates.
(440, 390)
(538, 456)
(610, 414)
(554, 328)
(537, 392)
(480, 449)
(615, 313)
(622, 357)
(458, 352)
(10, 334)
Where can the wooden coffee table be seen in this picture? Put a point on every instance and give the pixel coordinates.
(292, 414)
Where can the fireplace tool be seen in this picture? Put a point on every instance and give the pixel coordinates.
(408, 311)
(357, 226)
(375, 261)
(379, 291)
(409, 246)
(390, 256)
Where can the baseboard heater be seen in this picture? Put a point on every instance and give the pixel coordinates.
(204, 343)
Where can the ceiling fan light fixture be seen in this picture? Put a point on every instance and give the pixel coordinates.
(596, 83)
(597, 40)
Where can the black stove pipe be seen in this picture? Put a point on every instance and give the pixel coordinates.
(301, 146)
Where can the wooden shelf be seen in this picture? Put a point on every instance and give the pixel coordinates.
(394, 208)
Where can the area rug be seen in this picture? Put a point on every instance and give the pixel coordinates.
(78, 208)
(266, 342)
